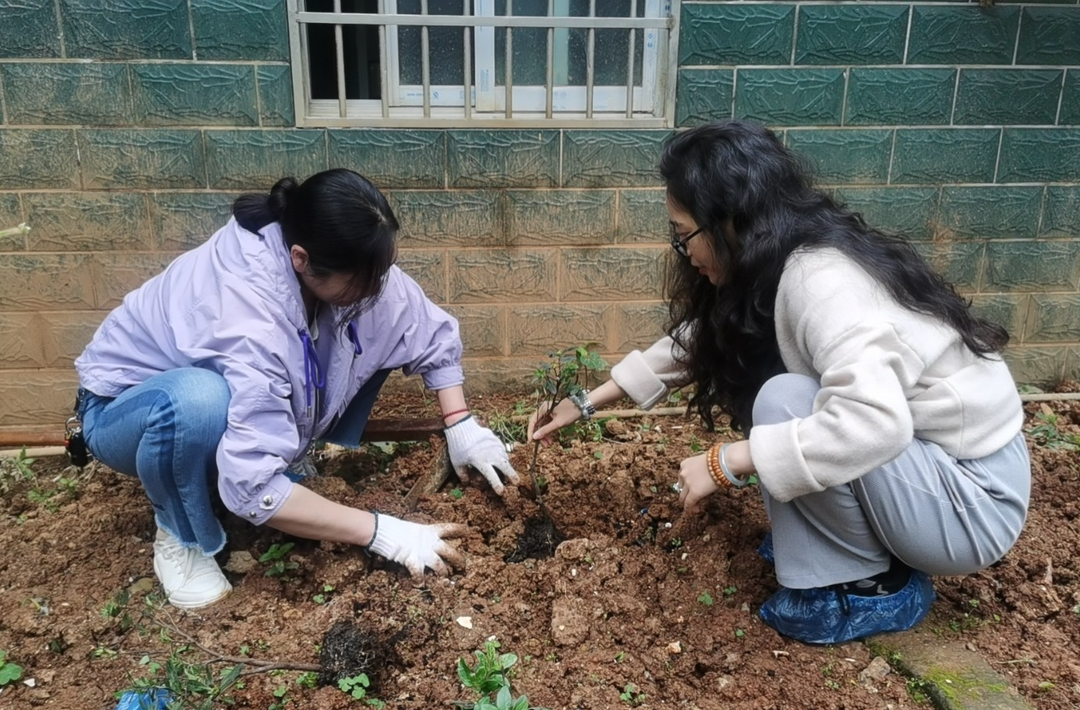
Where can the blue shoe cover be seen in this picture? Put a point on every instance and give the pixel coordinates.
(824, 615)
(765, 549)
(156, 699)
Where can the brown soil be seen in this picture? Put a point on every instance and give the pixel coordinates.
(637, 594)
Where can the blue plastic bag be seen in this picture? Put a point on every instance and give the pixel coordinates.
(156, 699)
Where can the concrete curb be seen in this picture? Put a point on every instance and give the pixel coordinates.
(953, 677)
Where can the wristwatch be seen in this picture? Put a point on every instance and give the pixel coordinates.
(581, 399)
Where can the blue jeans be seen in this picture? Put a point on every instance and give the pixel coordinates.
(166, 431)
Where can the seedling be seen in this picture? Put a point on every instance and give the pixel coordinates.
(489, 674)
(504, 700)
(632, 695)
(457, 493)
(275, 557)
(730, 591)
(322, 596)
(355, 686)
(9, 672)
(1047, 434)
(705, 598)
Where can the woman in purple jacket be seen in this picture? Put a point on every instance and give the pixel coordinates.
(277, 332)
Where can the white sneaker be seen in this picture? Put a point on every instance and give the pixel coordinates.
(191, 579)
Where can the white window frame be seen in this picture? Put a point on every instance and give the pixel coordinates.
(444, 106)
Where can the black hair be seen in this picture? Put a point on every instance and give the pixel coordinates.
(756, 202)
(341, 220)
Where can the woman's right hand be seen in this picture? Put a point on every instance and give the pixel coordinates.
(564, 414)
(417, 546)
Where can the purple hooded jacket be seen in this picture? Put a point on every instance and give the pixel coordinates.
(233, 306)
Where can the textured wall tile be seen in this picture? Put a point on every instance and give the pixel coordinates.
(184, 220)
(46, 282)
(1040, 155)
(561, 217)
(851, 157)
(736, 34)
(851, 34)
(537, 330)
(962, 35)
(639, 325)
(619, 274)
(275, 95)
(257, 159)
(38, 159)
(612, 158)
(1061, 213)
(490, 275)
(945, 155)
(910, 211)
(11, 215)
(90, 94)
(127, 29)
(1049, 35)
(1070, 100)
(95, 221)
(510, 375)
(643, 216)
(125, 158)
(961, 264)
(454, 218)
(117, 274)
(29, 29)
(1025, 96)
(503, 158)
(990, 212)
(1007, 310)
(900, 96)
(1032, 266)
(703, 95)
(391, 158)
(240, 29)
(31, 399)
(483, 330)
(66, 335)
(194, 94)
(20, 341)
(1036, 366)
(790, 97)
(1055, 318)
(427, 268)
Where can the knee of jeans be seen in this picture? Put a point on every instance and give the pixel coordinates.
(202, 403)
(785, 397)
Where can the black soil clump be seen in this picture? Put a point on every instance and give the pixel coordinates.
(539, 540)
(348, 651)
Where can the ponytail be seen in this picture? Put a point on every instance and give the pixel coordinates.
(255, 211)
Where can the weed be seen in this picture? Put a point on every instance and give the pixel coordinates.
(1046, 686)
(739, 633)
(322, 596)
(620, 656)
(705, 598)
(281, 693)
(632, 695)
(308, 680)
(510, 428)
(116, 608)
(489, 675)
(9, 672)
(503, 701)
(457, 493)
(1047, 434)
(19, 466)
(192, 685)
(355, 686)
(730, 591)
(275, 557)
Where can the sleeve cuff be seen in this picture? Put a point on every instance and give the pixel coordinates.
(267, 500)
(444, 377)
(634, 377)
(781, 468)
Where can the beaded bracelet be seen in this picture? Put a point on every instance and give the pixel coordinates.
(712, 458)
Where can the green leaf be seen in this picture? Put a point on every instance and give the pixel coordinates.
(9, 673)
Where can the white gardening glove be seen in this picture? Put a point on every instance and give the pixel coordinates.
(417, 546)
(470, 444)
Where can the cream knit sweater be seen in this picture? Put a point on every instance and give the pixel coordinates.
(887, 375)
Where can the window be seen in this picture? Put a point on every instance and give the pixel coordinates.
(557, 63)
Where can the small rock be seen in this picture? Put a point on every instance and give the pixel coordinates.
(464, 621)
(143, 585)
(878, 669)
(723, 682)
(30, 683)
(240, 562)
(674, 647)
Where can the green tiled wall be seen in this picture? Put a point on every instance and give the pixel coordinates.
(128, 128)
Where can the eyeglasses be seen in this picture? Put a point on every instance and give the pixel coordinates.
(678, 241)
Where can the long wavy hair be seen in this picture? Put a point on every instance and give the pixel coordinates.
(342, 221)
(757, 204)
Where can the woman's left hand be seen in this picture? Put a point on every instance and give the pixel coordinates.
(695, 483)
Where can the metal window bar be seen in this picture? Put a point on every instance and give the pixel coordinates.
(509, 82)
(662, 100)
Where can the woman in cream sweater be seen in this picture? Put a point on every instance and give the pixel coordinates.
(881, 422)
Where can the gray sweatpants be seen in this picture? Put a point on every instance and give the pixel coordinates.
(935, 513)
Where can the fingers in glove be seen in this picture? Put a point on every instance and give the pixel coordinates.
(463, 474)
(508, 471)
(449, 555)
(451, 531)
(488, 472)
